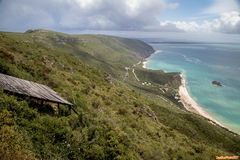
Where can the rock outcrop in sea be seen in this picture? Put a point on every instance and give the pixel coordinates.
(217, 83)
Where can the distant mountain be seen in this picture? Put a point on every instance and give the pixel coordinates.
(123, 111)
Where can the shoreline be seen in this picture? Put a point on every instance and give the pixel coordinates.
(188, 102)
(144, 61)
(191, 105)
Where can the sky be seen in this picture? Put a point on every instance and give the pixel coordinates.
(77, 16)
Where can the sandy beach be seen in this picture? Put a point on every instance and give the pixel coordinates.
(191, 105)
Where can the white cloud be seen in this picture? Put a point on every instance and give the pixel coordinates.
(142, 15)
(81, 14)
(221, 6)
(173, 5)
(166, 26)
(228, 22)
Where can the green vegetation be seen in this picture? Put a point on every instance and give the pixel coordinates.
(117, 119)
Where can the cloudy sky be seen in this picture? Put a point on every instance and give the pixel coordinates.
(220, 16)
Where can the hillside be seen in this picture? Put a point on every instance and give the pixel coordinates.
(119, 118)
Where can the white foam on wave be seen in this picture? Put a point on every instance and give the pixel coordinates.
(191, 59)
(156, 52)
(188, 47)
(146, 60)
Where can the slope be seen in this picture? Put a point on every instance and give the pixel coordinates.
(118, 119)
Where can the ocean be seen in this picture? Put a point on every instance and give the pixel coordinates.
(202, 63)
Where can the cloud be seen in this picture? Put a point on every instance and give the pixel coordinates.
(165, 26)
(221, 6)
(141, 15)
(81, 14)
(228, 22)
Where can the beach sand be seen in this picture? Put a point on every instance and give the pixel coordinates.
(191, 105)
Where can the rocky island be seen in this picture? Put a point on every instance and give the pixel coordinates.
(217, 83)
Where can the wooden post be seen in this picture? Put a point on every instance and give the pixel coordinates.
(69, 109)
(58, 106)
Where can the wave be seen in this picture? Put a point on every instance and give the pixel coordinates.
(157, 51)
(230, 69)
(188, 47)
(191, 59)
(220, 67)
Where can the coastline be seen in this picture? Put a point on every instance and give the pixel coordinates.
(144, 61)
(191, 105)
(188, 102)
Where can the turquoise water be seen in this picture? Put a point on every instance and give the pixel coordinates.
(201, 64)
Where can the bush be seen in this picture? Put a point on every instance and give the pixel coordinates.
(50, 136)
(97, 103)
(19, 109)
(13, 145)
(122, 111)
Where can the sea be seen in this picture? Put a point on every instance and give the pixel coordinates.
(202, 63)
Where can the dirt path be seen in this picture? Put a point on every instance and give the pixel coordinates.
(133, 71)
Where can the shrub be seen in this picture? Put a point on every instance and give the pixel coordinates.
(19, 109)
(50, 136)
(122, 111)
(13, 145)
(97, 103)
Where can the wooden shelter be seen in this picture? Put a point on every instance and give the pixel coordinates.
(17, 86)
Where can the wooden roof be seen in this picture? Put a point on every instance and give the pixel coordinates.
(28, 88)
